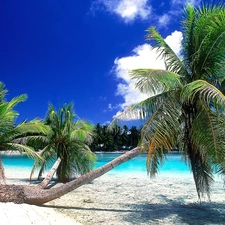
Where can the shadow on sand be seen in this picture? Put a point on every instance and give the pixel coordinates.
(177, 213)
(173, 212)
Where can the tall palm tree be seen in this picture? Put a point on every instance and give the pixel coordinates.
(68, 140)
(187, 106)
(15, 137)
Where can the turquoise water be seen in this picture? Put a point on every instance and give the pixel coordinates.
(173, 164)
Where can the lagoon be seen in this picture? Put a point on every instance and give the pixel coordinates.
(173, 164)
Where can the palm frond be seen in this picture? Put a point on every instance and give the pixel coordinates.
(23, 148)
(173, 63)
(209, 136)
(16, 100)
(144, 109)
(82, 131)
(3, 92)
(83, 160)
(161, 131)
(152, 81)
(163, 122)
(25, 132)
(47, 154)
(205, 91)
(7, 117)
(188, 25)
(32, 128)
(155, 159)
(204, 42)
(202, 173)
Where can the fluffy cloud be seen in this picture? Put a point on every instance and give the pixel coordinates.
(143, 57)
(174, 41)
(128, 10)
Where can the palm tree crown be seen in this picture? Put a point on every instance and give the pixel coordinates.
(67, 139)
(187, 108)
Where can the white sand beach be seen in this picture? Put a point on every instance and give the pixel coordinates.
(122, 199)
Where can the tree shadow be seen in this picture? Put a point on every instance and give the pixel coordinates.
(89, 208)
(35, 182)
(178, 213)
(173, 212)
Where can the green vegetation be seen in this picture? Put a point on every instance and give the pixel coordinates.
(68, 139)
(15, 138)
(116, 138)
(187, 109)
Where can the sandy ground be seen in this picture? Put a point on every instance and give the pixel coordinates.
(122, 199)
(24, 214)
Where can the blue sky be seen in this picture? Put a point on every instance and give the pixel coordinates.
(81, 51)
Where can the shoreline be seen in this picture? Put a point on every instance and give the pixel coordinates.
(10, 152)
(126, 199)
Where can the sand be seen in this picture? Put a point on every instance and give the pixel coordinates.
(123, 199)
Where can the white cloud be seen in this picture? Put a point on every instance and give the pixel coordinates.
(181, 2)
(174, 41)
(128, 10)
(164, 20)
(143, 57)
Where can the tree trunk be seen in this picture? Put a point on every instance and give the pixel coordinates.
(50, 174)
(2, 173)
(37, 196)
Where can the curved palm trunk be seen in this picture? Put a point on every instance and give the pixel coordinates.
(38, 196)
(50, 174)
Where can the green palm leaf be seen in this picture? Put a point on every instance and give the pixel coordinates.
(205, 91)
(155, 80)
(172, 61)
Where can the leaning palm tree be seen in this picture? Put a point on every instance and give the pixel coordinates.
(68, 139)
(14, 137)
(187, 105)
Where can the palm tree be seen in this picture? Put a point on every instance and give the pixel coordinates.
(187, 106)
(68, 140)
(15, 137)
